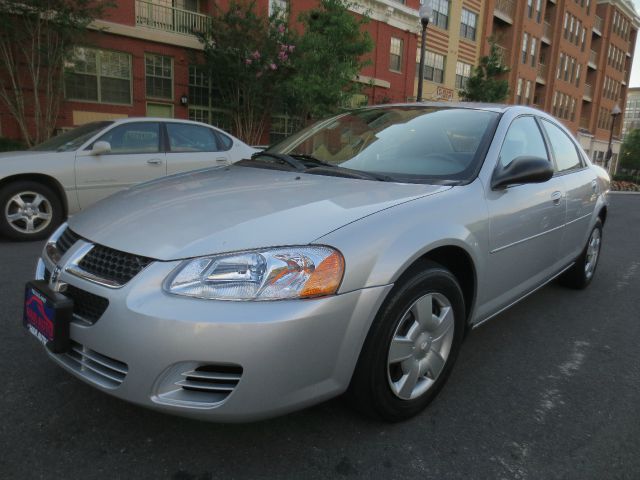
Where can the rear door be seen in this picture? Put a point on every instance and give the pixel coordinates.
(136, 156)
(191, 147)
(581, 190)
(526, 221)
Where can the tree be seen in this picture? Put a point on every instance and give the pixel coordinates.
(485, 84)
(330, 55)
(257, 66)
(248, 58)
(630, 151)
(36, 37)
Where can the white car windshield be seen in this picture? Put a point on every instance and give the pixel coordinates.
(73, 139)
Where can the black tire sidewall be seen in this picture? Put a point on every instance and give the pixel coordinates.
(370, 379)
(10, 190)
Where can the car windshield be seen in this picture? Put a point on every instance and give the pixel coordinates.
(403, 143)
(73, 139)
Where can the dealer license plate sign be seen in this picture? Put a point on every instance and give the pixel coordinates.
(47, 315)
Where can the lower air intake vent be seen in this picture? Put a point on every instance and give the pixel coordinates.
(203, 385)
(95, 367)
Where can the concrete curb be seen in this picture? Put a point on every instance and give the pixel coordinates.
(623, 193)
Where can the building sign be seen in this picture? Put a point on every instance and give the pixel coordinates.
(444, 93)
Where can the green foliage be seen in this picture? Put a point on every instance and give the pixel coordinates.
(10, 145)
(630, 151)
(247, 56)
(329, 56)
(36, 37)
(259, 67)
(485, 84)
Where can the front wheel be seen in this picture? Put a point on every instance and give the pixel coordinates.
(582, 272)
(412, 345)
(29, 211)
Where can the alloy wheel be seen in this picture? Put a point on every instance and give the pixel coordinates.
(28, 212)
(593, 251)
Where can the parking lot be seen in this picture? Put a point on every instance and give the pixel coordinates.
(549, 389)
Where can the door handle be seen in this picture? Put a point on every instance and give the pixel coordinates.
(594, 185)
(556, 197)
(154, 161)
(221, 160)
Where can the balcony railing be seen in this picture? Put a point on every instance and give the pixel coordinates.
(547, 31)
(584, 123)
(170, 19)
(541, 71)
(588, 91)
(593, 58)
(506, 8)
(503, 53)
(598, 24)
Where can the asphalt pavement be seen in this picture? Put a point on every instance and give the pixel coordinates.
(547, 390)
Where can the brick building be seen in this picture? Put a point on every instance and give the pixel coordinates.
(141, 59)
(571, 58)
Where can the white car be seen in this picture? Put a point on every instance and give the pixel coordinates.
(41, 186)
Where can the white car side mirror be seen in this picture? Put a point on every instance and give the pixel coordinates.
(100, 147)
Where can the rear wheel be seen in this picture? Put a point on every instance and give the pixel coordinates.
(582, 272)
(29, 211)
(411, 346)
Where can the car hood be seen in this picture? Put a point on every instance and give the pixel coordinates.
(234, 208)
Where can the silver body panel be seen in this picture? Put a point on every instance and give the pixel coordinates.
(298, 352)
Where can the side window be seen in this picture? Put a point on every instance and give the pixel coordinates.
(522, 139)
(225, 142)
(138, 137)
(191, 138)
(564, 150)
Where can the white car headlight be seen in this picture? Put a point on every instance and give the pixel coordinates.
(270, 274)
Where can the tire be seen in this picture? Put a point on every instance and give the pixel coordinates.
(29, 211)
(402, 346)
(580, 275)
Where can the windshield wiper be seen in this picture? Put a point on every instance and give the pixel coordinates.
(337, 171)
(288, 159)
(311, 158)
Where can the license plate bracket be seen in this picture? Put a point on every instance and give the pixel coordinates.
(47, 315)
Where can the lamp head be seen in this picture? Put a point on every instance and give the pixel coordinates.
(616, 111)
(425, 12)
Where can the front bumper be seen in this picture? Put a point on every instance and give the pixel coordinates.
(291, 353)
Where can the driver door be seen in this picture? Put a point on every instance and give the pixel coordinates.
(136, 156)
(526, 221)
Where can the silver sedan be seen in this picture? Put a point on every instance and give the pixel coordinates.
(351, 257)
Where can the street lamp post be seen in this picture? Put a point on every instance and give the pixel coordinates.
(425, 15)
(614, 114)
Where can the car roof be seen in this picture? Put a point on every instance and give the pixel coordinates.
(158, 119)
(491, 107)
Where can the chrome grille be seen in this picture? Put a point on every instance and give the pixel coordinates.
(95, 367)
(66, 241)
(113, 265)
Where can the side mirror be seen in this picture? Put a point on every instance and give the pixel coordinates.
(100, 148)
(522, 170)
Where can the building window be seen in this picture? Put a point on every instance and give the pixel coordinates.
(99, 76)
(519, 92)
(433, 67)
(525, 40)
(463, 72)
(279, 7)
(159, 76)
(530, 8)
(538, 11)
(395, 57)
(282, 126)
(441, 13)
(202, 98)
(468, 24)
(527, 92)
(533, 52)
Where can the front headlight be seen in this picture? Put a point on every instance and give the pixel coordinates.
(270, 274)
